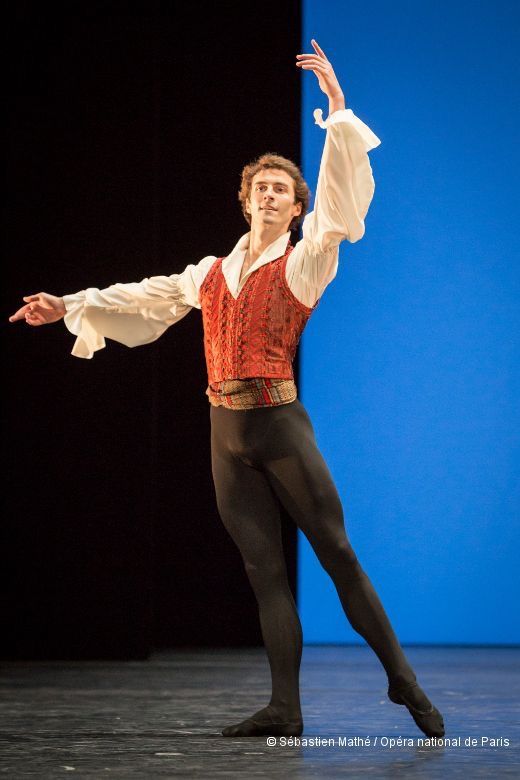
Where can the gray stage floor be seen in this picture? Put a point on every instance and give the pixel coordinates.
(162, 717)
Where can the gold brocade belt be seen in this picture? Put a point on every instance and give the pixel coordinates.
(251, 393)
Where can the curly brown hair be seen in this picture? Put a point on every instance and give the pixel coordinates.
(302, 192)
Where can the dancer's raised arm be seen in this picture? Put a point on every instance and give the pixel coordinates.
(344, 189)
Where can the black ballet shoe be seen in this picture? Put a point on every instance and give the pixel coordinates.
(430, 722)
(253, 728)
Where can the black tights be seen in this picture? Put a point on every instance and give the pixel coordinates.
(267, 456)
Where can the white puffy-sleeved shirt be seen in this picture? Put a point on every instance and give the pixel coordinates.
(139, 312)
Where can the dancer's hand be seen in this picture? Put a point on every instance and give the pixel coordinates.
(322, 68)
(40, 309)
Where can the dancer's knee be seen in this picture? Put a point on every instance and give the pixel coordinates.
(266, 576)
(338, 557)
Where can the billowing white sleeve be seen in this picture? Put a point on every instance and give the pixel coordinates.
(135, 313)
(343, 195)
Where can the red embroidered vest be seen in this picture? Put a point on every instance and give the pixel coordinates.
(256, 334)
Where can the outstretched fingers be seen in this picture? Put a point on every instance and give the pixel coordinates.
(312, 64)
(40, 309)
(309, 56)
(31, 312)
(317, 53)
(20, 314)
(324, 72)
(317, 49)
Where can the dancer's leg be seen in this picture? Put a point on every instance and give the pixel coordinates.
(302, 481)
(250, 513)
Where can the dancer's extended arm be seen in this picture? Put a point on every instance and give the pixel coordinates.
(133, 314)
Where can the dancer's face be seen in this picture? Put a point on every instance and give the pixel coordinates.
(271, 201)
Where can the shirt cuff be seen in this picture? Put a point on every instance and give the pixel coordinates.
(88, 339)
(71, 301)
(369, 138)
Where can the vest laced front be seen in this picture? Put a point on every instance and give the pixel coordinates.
(256, 334)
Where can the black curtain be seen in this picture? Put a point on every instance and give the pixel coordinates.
(126, 135)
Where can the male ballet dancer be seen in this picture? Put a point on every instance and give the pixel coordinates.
(255, 303)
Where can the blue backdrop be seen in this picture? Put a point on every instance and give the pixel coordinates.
(409, 366)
